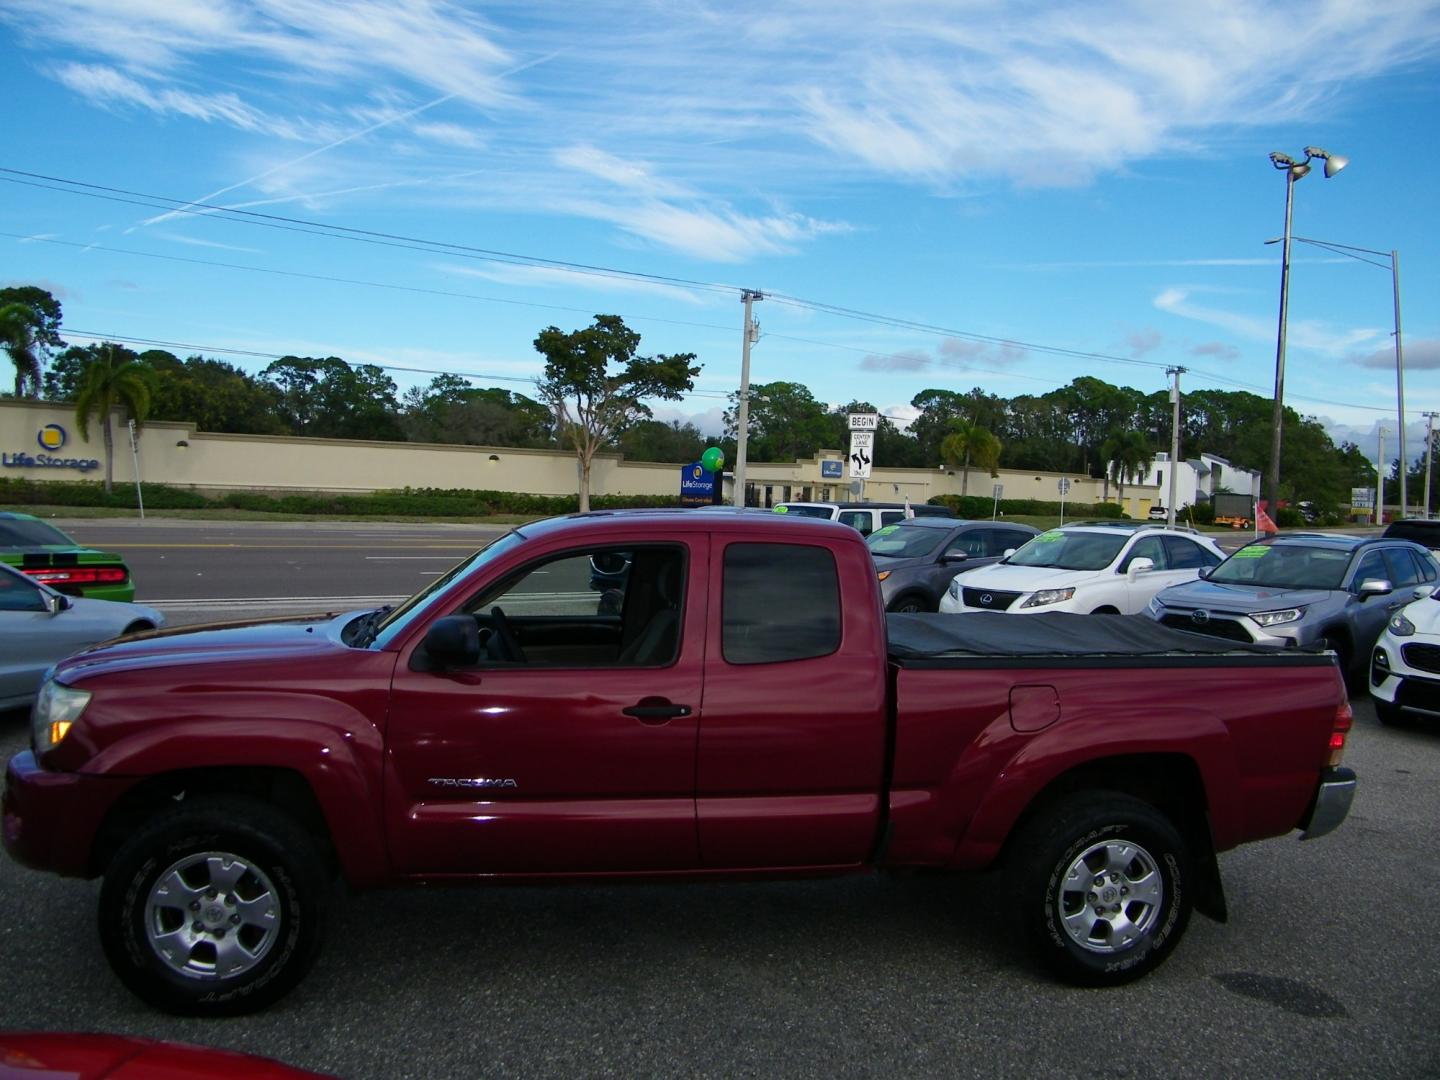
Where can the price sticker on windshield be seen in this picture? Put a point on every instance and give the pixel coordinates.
(1050, 537)
(1251, 553)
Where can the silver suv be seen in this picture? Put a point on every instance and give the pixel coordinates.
(1304, 589)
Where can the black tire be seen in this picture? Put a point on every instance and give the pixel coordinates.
(911, 603)
(1136, 850)
(278, 883)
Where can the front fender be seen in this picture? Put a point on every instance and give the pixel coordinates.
(335, 747)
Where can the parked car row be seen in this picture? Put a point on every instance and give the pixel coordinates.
(1374, 601)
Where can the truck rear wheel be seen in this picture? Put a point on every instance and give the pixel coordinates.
(213, 908)
(1103, 886)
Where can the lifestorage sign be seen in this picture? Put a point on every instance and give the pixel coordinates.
(698, 486)
(48, 438)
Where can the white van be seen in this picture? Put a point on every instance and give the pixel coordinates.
(866, 517)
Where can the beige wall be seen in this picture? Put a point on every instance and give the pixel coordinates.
(174, 453)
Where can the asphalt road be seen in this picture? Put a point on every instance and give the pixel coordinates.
(1327, 968)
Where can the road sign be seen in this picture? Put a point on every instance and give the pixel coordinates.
(1362, 498)
(862, 454)
(1064, 485)
(864, 421)
(998, 491)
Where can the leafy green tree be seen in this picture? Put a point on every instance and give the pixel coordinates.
(211, 394)
(20, 329)
(329, 398)
(655, 440)
(44, 304)
(785, 422)
(596, 385)
(113, 376)
(451, 410)
(1128, 456)
(970, 443)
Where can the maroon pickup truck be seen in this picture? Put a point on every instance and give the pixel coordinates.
(666, 695)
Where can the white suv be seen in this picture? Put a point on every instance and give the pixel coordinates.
(1099, 567)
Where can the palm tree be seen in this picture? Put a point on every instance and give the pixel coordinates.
(969, 443)
(108, 380)
(19, 339)
(1129, 456)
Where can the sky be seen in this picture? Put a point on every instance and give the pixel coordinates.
(927, 194)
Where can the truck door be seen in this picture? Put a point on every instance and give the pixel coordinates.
(792, 743)
(573, 751)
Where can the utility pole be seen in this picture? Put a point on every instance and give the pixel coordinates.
(1380, 478)
(1175, 372)
(1429, 447)
(742, 418)
(1399, 378)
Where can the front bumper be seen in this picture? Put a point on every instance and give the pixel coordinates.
(51, 818)
(1333, 796)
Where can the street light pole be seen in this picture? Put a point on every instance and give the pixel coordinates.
(1174, 443)
(1294, 170)
(1429, 447)
(742, 413)
(1380, 477)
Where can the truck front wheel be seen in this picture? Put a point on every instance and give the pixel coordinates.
(1103, 883)
(213, 908)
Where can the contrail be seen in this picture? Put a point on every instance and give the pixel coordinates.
(331, 146)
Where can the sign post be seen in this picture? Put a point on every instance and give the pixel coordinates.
(1064, 485)
(862, 445)
(997, 491)
(135, 458)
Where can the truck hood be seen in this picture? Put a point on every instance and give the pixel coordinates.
(286, 640)
(1244, 598)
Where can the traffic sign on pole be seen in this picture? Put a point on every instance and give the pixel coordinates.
(862, 454)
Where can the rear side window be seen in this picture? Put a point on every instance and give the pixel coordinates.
(1401, 567)
(779, 602)
(857, 519)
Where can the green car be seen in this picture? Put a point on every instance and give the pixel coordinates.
(42, 551)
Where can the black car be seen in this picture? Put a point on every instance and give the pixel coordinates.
(1418, 530)
(917, 558)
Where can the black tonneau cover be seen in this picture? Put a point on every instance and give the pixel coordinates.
(1053, 634)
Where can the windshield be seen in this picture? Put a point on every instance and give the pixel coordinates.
(803, 511)
(397, 620)
(1069, 550)
(17, 532)
(902, 542)
(1289, 567)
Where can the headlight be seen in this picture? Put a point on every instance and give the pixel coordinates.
(954, 589)
(56, 708)
(883, 574)
(1155, 608)
(1041, 597)
(1277, 618)
(1400, 626)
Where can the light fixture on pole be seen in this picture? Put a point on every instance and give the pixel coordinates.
(1294, 170)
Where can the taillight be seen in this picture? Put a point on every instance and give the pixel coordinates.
(1344, 719)
(80, 575)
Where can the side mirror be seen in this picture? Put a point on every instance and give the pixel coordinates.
(1204, 572)
(1010, 551)
(1374, 587)
(1140, 566)
(453, 641)
(955, 556)
(55, 602)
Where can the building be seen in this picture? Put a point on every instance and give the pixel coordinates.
(1197, 479)
(39, 441)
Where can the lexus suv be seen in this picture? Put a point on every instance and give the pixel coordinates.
(1305, 589)
(1095, 567)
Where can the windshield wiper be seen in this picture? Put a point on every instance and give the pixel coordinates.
(368, 626)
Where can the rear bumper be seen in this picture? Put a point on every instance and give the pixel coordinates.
(1332, 803)
(51, 818)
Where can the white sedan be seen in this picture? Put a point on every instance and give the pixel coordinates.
(39, 626)
(1405, 666)
(1109, 568)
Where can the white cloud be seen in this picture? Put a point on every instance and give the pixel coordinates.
(450, 134)
(1217, 349)
(1420, 355)
(532, 276)
(1306, 334)
(1144, 341)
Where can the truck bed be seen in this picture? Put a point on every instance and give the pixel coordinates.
(1059, 639)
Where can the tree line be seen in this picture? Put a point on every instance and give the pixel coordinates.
(592, 395)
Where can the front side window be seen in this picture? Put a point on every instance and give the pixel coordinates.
(779, 602)
(904, 541)
(1371, 568)
(1148, 547)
